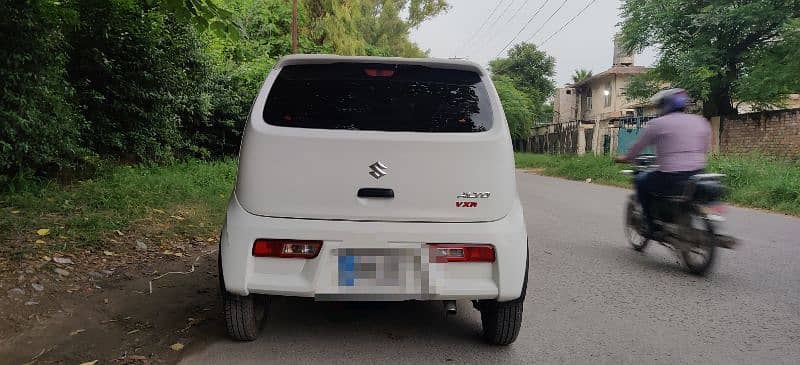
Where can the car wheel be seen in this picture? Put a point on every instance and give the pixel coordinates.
(244, 315)
(501, 321)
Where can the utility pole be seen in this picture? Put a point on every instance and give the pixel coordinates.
(294, 26)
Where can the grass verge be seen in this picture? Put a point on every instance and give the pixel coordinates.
(185, 199)
(753, 180)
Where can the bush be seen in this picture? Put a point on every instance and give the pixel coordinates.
(139, 76)
(39, 126)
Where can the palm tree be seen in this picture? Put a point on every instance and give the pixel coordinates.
(581, 74)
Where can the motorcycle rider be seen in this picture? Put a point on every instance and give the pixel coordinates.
(682, 142)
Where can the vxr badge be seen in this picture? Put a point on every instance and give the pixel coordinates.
(378, 170)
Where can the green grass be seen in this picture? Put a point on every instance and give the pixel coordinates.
(601, 170)
(185, 199)
(753, 181)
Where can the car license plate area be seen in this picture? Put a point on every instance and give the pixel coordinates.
(380, 270)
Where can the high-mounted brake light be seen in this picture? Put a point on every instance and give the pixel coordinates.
(450, 252)
(377, 72)
(286, 248)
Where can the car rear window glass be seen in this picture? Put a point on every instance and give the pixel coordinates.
(378, 97)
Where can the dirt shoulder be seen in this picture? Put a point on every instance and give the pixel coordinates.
(103, 308)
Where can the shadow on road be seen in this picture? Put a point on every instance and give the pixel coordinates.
(337, 330)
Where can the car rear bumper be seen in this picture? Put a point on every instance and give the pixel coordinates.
(420, 279)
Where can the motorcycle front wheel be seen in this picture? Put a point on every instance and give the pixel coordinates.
(633, 225)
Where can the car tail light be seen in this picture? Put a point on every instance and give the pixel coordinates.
(377, 72)
(450, 252)
(286, 248)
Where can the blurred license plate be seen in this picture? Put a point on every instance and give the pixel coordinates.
(376, 267)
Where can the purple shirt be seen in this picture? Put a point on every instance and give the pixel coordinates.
(682, 141)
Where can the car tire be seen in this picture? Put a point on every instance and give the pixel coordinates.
(502, 321)
(244, 315)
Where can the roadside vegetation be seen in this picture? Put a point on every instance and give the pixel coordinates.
(755, 181)
(152, 203)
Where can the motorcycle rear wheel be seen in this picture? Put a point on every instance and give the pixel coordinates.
(699, 259)
(632, 225)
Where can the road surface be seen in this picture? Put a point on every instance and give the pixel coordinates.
(591, 300)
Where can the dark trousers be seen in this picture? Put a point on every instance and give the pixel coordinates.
(659, 183)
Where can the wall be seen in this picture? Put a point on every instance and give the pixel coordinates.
(773, 132)
(564, 105)
(619, 102)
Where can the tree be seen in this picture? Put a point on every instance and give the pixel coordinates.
(720, 51)
(204, 14)
(530, 69)
(517, 106)
(580, 75)
(370, 27)
(526, 72)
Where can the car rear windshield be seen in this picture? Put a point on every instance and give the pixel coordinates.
(379, 97)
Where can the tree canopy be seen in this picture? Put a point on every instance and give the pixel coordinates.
(518, 107)
(529, 68)
(581, 74)
(722, 52)
(528, 72)
(370, 27)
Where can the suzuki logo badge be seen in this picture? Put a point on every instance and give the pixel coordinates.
(378, 170)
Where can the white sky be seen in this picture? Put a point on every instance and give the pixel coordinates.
(586, 42)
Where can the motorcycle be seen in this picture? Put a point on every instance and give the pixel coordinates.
(688, 222)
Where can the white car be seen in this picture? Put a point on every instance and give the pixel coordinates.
(376, 179)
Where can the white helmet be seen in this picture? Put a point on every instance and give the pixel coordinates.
(670, 100)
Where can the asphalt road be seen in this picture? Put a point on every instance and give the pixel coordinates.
(591, 299)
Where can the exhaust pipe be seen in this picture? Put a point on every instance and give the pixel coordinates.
(450, 307)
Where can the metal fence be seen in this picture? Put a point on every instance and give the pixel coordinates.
(559, 138)
(629, 129)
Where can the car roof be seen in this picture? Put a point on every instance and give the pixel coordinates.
(455, 64)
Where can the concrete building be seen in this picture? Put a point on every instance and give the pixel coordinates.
(599, 103)
(602, 96)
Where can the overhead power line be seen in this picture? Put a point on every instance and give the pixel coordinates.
(568, 22)
(518, 9)
(513, 15)
(547, 20)
(539, 10)
(491, 28)
(479, 28)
